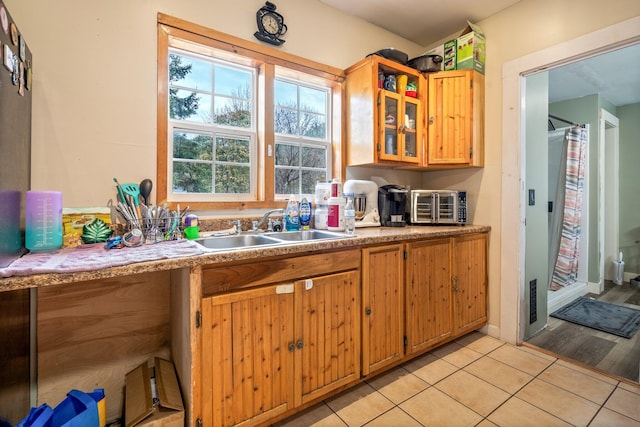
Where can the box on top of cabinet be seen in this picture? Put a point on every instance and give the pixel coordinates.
(467, 52)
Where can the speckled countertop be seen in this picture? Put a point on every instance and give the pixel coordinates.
(363, 237)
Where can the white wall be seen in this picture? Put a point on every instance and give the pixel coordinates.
(94, 114)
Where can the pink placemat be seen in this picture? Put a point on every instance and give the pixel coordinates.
(95, 256)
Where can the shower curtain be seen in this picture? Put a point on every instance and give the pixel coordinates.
(566, 220)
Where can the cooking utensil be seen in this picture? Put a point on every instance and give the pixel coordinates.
(392, 54)
(133, 190)
(146, 185)
(120, 193)
(426, 63)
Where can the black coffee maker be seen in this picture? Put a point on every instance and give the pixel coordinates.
(392, 204)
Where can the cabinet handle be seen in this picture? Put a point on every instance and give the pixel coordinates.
(299, 344)
(431, 120)
(367, 311)
(454, 279)
(292, 347)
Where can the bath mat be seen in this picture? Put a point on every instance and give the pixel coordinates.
(611, 318)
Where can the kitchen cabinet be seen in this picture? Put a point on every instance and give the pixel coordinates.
(270, 348)
(449, 297)
(455, 119)
(469, 282)
(429, 299)
(383, 306)
(383, 126)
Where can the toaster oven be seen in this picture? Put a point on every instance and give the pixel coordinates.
(438, 207)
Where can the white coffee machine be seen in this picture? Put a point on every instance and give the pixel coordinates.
(365, 200)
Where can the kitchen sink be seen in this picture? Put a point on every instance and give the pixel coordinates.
(237, 241)
(305, 235)
(243, 241)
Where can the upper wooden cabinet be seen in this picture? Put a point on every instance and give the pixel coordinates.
(455, 120)
(383, 126)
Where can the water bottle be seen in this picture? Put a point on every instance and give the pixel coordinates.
(350, 216)
(43, 221)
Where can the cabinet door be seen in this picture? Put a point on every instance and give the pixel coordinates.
(450, 118)
(469, 282)
(327, 334)
(383, 306)
(247, 361)
(400, 138)
(428, 301)
(411, 130)
(390, 120)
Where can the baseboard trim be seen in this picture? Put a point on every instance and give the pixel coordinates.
(559, 298)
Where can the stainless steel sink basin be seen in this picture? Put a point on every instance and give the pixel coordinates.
(305, 235)
(237, 241)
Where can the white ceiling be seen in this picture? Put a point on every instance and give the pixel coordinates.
(614, 75)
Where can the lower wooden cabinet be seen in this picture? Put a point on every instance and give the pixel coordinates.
(276, 347)
(300, 328)
(382, 306)
(419, 295)
(429, 301)
(469, 282)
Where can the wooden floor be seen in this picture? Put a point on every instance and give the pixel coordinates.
(607, 352)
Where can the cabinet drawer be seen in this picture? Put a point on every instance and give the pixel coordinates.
(236, 277)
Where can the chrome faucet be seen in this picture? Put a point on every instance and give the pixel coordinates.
(258, 224)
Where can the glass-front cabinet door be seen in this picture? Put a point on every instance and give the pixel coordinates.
(399, 139)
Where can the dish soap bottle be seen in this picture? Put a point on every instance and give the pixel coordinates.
(291, 216)
(305, 213)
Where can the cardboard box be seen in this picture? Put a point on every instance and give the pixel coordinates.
(449, 57)
(152, 396)
(74, 219)
(467, 52)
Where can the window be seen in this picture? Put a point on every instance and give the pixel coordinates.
(241, 125)
(212, 126)
(302, 147)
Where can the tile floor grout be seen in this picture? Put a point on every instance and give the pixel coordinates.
(602, 415)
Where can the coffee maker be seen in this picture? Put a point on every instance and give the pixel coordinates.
(392, 203)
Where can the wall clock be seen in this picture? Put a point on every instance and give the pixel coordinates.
(270, 25)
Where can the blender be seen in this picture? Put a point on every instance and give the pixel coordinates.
(365, 200)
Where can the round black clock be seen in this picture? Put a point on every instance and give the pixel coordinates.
(270, 25)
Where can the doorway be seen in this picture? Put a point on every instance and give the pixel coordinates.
(513, 298)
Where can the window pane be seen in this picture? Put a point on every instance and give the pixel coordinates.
(233, 179)
(287, 181)
(233, 150)
(192, 106)
(192, 146)
(232, 82)
(233, 112)
(309, 179)
(314, 157)
(191, 177)
(313, 125)
(286, 121)
(286, 94)
(189, 72)
(313, 100)
(287, 155)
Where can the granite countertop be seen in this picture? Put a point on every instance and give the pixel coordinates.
(83, 264)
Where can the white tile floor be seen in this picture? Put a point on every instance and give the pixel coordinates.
(480, 381)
